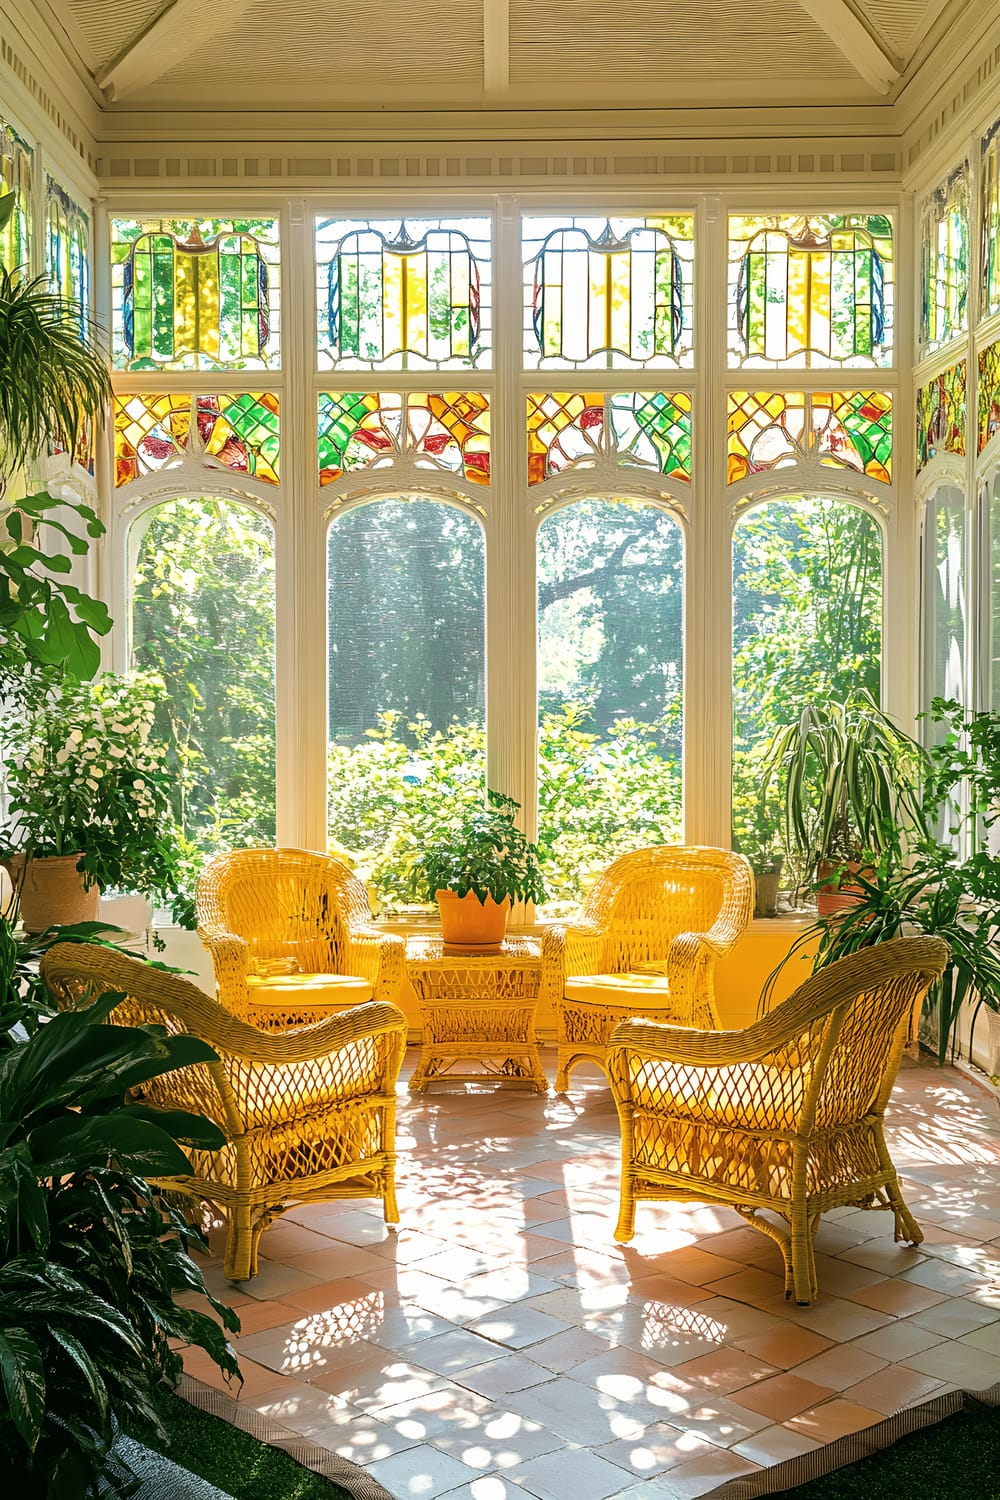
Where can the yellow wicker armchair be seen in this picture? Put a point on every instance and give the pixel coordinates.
(291, 937)
(647, 944)
(308, 1116)
(785, 1116)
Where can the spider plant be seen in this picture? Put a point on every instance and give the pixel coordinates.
(53, 372)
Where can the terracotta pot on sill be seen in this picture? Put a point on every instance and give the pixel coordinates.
(846, 893)
(51, 891)
(471, 925)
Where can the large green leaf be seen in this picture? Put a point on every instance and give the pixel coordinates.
(22, 1373)
(133, 1145)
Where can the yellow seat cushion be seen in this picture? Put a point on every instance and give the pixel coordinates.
(303, 991)
(752, 1096)
(632, 994)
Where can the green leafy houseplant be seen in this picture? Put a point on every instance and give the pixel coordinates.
(485, 853)
(85, 777)
(850, 780)
(92, 1257)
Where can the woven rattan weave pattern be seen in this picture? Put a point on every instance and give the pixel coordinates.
(786, 1115)
(308, 1116)
(666, 915)
(295, 908)
(477, 1006)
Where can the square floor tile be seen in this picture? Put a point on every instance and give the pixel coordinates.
(573, 1471)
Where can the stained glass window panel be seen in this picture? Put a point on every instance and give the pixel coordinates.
(810, 290)
(202, 616)
(777, 429)
(447, 430)
(941, 415)
(403, 294)
(645, 430)
(945, 262)
(989, 393)
(15, 177)
(990, 221)
(239, 432)
(67, 248)
(610, 687)
(195, 294)
(608, 293)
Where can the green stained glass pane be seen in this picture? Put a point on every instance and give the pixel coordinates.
(944, 261)
(613, 293)
(67, 238)
(195, 294)
(810, 290)
(444, 430)
(16, 164)
(645, 430)
(989, 224)
(238, 431)
(989, 393)
(941, 415)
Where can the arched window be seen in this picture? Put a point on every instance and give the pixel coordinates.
(610, 680)
(807, 627)
(944, 603)
(406, 640)
(202, 615)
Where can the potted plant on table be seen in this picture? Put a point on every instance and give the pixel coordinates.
(850, 780)
(88, 804)
(476, 867)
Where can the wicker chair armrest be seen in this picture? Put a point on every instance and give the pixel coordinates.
(379, 957)
(225, 947)
(306, 1043)
(569, 948)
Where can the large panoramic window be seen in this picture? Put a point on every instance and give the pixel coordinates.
(202, 616)
(944, 595)
(610, 680)
(406, 643)
(807, 628)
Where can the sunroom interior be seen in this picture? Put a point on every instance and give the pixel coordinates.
(554, 402)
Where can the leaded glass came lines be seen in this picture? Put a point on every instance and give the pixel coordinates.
(447, 430)
(810, 290)
(15, 177)
(66, 248)
(646, 430)
(610, 293)
(403, 294)
(195, 294)
(941, 415)
(945, 262)
(990, 220)
(989, 393)
(239, 432)
(777, 429)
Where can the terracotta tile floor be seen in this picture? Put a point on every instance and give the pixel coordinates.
(500, 1344)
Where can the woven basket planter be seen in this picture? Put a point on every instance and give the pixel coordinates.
(51, 891)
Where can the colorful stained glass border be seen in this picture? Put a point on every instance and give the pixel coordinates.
(989, 222)
(16, 164)
(989, 393)
(239, 431)
(67, 245)
(195, 294)
(404, 294)
(645, 430)
(777, 429)
(448, 431)
(609, 293)
(941, 415)
(810, 290)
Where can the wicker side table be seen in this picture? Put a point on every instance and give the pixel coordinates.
(477, 1007)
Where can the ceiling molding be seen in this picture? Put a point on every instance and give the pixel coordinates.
(175, 33)
(855, 41)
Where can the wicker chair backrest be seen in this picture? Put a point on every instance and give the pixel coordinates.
(646, 898)
(287, 903)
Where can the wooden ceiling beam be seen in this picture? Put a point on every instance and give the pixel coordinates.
(851, 37)
(184, 27)
(496, 46)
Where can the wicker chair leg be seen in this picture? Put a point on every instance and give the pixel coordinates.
(390, 1212)
(240, 1259)
(626, 1212)
(563, 1060)
(907, 1229)
(804, 1284)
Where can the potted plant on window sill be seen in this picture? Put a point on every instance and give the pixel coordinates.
(851, 785)
(88, 797)
(475, 869)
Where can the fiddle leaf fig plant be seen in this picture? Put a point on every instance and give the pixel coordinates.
(484, 852)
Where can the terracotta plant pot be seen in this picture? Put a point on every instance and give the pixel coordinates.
(833, 898)
(51, 892)
(468, 923)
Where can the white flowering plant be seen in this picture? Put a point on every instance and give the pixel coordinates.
(84, 774)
